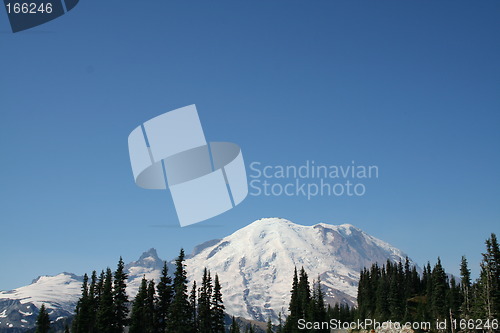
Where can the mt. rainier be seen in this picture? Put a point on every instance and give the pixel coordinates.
(255, 266)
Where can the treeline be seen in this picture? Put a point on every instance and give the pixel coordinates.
(397, 292)
(165, 306)
(310, 306)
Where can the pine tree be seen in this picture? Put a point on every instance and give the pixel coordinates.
(42, 321)
(82, 319)
(120, 298)
(105, 313)
(439, 290)
(179, 312)
(93, 301)
(280, 324)
(465, 284)
(269, 326)
(217, 308)
(487, 287)
(235, 328)
(149, 313)
(381, 298)
(194, 307)
(291, 324)
(138, 315)
(165, 294)
(204, 303)
(304, 294)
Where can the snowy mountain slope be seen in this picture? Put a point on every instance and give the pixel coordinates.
(255, 264)
(19, 307)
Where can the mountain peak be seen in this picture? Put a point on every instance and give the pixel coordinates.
(255, 263)
(151, 253)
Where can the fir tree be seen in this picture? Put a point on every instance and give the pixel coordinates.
(42, 321)
(217, 308)
(193, 307)
(291, 324)
(82, 319)
(105, 313)
(204, 303)
(120, 298)
(269, 326)
(179, 312)
(93, 300)
(150, 325)
(465, 284)
(138, 315)
(165, 294)
(235, 328)
(439, 290)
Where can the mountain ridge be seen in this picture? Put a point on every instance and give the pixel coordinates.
(254, 264)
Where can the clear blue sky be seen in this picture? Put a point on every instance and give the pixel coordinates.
(411, 86)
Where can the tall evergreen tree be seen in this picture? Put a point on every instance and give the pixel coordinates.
(291, 324)
(82, 320)
(204, 303)
(439, 290)
(194, 307)
(269, 328)
(465, 284)
(105, 313)
(217, 308)
(93, 300)
(150, 322)
(120, 298)
(138, 315)
(235, 328)
(179, 312)
(165, 294)
(42, 321)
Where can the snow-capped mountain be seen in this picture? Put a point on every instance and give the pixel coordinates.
(255, 266)
(19, 307)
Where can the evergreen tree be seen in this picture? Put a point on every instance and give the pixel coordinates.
(94, 301)
(105, 312)
(66, 329)
(269, 326)
(304, 294)
(381, 298)
(487, 289)
(138, 315)
(318, 308)
(193, 306)
(396, 295)
(217, 308)
(204, 303)
(120, 298)
(150, 325)
(235, 328)
(280, 324)
(42, 321)
(291, 324)
(165, 294)
(82, 319)
(465, 284)
(439, 290)
(179, 312)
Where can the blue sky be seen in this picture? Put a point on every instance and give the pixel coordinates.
(409, 86)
